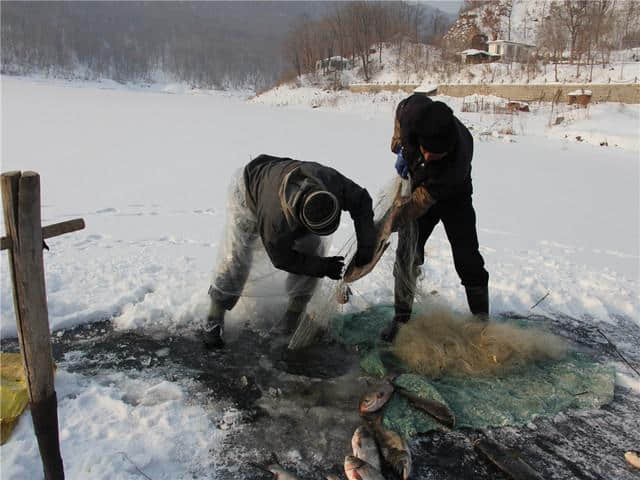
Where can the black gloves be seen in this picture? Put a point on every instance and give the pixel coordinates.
(333, 267)
(364, 255)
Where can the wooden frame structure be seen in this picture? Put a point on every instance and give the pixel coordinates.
(24, 242)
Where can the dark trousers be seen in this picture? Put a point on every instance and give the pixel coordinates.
(459, 220)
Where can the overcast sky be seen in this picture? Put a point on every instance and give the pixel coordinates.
(449, 6)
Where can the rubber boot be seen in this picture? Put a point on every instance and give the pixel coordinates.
(391, 330)
(213, 331)
(478, 300)
(295, 310)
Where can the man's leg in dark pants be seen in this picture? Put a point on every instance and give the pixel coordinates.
(459, 219)
(409, 256)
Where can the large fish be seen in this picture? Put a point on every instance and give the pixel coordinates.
(437, 410)
(363, 444)
(506, 461)
(402, 210)
(374, 399)
(357, 469)
(394, 448)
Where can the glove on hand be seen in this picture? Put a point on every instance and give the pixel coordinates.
(333, 267)
(364, 254)
(402, 167)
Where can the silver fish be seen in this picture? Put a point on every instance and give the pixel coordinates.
(437, 410)
(394, 449)
(363, 444)
(374, 399)
(357, 469)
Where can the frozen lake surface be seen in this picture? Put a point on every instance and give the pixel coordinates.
(148, 171)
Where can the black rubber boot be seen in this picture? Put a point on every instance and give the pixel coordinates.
(295, 311)
(290, 321)
(478, 300)
(212, 335)
(403, 294)
(391, 330)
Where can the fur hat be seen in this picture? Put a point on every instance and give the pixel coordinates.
(430, 125)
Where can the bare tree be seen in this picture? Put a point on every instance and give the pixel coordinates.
(553, 37)
(573, 14)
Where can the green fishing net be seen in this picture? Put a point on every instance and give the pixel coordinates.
(513, 398)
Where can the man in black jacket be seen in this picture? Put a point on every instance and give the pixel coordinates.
(289, 204)
(435, 149)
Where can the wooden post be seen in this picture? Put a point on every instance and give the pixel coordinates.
(21, 206)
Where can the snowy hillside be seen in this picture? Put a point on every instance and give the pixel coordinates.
(515, 20)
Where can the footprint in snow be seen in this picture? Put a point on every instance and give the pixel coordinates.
(106, 210)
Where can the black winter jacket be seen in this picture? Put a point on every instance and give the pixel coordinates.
(445, 178)
(264, 177)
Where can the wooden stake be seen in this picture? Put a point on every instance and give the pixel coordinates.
(21, 206)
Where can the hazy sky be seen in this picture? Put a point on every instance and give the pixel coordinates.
(449, 6)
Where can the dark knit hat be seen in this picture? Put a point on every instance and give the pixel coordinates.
(432, 125)
(320, 212)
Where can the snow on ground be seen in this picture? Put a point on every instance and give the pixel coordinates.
(149, 171)
(615, 125)
(113, 425)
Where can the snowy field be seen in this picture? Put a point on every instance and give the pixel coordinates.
(148, 171)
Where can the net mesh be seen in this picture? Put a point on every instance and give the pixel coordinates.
(538, 385)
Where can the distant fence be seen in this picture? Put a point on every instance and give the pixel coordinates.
(626, 93)
(605, 92)
(375, 88)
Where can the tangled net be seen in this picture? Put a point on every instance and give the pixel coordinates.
(441, 341)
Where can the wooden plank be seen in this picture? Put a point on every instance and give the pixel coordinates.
(63, 227)
(9, 182)
(50, 231)
(34, 334)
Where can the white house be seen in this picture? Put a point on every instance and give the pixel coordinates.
(511, 51)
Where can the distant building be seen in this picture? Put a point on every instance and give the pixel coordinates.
(511, 51)
(472, 55)
(333, 63)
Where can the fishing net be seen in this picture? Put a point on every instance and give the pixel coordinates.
(538, 377)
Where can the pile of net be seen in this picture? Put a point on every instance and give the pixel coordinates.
(494, 373)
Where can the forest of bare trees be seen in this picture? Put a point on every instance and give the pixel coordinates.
(585, 32)
(351, 29)
(206, 44)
